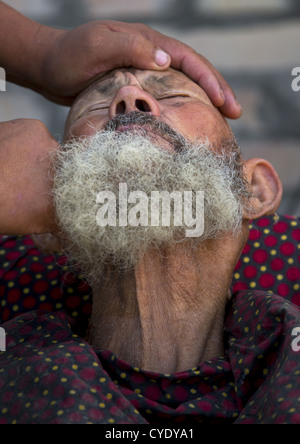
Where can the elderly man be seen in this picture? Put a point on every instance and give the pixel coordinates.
(156, 350)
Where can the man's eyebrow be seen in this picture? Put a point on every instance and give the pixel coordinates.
(167, 81)
(106, 86)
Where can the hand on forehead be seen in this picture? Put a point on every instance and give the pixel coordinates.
(169, 95)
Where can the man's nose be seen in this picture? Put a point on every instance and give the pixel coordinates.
(132, 98)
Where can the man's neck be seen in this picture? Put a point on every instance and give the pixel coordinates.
(166, 315)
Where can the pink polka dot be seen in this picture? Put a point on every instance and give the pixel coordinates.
(283, 290)
(270, 241)
(277, 264)
(250, 272)
(254, 235)
(266, 280)
(14, 296)
(296, 299)
(25, 279)
(260, 256)
(296, 234)
(280, 227)
(287, 249)
(263, 222)
(293, 274)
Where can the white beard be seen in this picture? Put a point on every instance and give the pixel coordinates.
(99, 163)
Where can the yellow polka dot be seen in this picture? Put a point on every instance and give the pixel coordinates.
(81, 407)
(109, 396)
(10, 284)
(290, 260)
(36, 380)
(266, 371)
(72, 392)
(102, 379)
(263, 268)
(60, 412)
(284, 237)
(123, 375)
(27, 405)
(246, 259)
(236, 276)
(258, 327)
(246, 329)
(279, 277)
(70, 290)
(266, 231)
(296, 287)
(111, 421)
(55, 368)
(64, 380)
(138, 391)
(273, 252)
(38, 276)
(75, 367)
(256, 244)
(102, 405)
(193, 391)
(252, 284)
(4, 410)
(192, 406)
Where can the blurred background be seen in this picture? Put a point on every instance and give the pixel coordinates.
(254, 43)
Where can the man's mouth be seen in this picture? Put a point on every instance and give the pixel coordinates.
(147, 125)
(151, 133)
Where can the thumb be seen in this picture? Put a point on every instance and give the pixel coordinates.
(139, 52)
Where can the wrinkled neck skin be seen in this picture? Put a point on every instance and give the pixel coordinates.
(167, 315)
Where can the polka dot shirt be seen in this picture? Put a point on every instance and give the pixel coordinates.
(50, 375)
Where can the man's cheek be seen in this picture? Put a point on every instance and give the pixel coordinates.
(85, 128)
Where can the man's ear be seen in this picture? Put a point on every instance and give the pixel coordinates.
(266, 188)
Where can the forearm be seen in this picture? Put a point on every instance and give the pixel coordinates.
(24, 44)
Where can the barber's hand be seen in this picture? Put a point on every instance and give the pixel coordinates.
(25, 182)
(74, 58)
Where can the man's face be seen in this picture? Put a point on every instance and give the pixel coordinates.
(169, 96)
(152, 132)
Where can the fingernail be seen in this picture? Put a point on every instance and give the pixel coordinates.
(161, 57)
(239, 105)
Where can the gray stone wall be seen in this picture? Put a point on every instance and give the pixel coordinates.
(254, 43)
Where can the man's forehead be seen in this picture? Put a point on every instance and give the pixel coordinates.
(149, 78)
